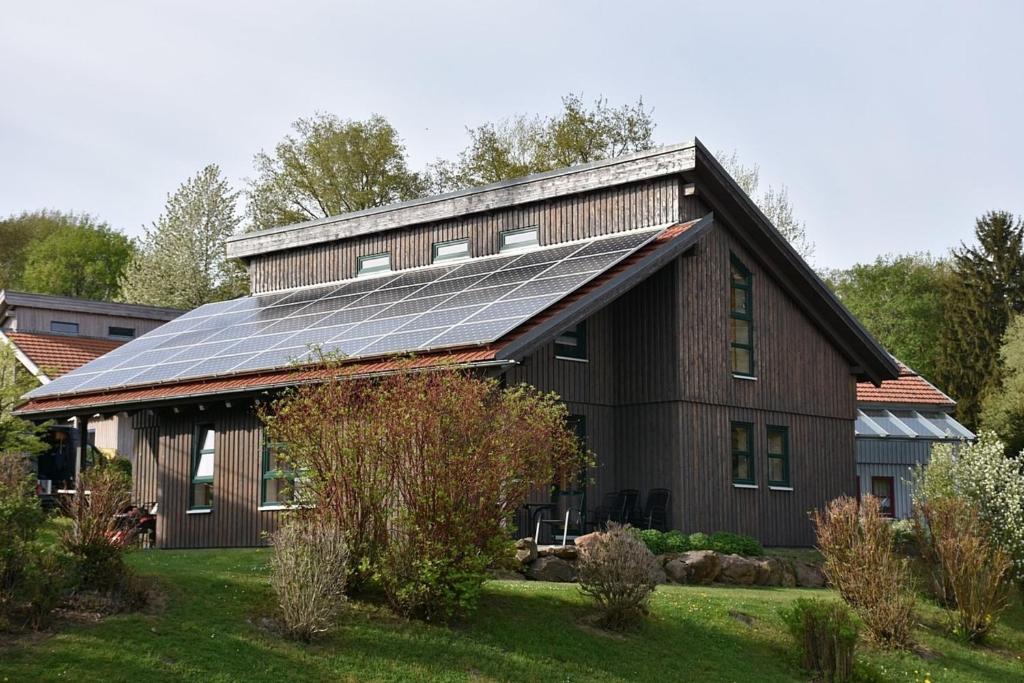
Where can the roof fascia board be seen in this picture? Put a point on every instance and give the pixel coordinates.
(606, 293)
(791, 270)
(575, 179)
(65, 303)
(27, 362)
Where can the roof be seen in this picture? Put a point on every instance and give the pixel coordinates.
(660, 161)
(908, 389)
(9, 299)
(55, 355)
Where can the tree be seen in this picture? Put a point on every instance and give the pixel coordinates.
(16, 435)
(181, 261)
(84, 259)
(17, 233)
(522, 144)
(773, 202)
(985, 290)
(330, 166)
(898, 299)
(1002, 410)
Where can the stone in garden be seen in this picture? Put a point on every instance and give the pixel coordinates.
(808, 575)
(505, 575)
(551, 568)
(695, 566)
(526, 550)
(583, 541)
(658, 574)
(738, 570)
(565, 552)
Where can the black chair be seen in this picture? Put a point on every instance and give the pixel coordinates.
(655, 512)
(618, 506)
(567, 525)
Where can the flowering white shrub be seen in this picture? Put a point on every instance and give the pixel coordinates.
(981, 473)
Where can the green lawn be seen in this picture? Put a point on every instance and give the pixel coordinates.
(210, 630)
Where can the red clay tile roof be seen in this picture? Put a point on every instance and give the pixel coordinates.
(56, 355)
(909, 389)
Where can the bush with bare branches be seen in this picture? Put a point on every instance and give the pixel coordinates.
(970, 573)
(617, 571)
(308, 572)
(862, 563)
(91, 538)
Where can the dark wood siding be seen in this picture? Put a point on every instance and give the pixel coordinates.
(146, 435)
(570, 218)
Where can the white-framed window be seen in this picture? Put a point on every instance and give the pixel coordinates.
(203, 458)
(451, 250)
(524, 238)
(373, 263)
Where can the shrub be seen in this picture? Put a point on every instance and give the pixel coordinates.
(969, 573)
(423, 471)
(827, 633)
(862, 563)
(91, 538)
(308, 572)
(663, 543)
(726, 543)
(617, 570)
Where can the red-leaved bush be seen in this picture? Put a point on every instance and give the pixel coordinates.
(423, 471)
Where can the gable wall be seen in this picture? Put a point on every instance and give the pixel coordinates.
(29, 319)
(569, 218)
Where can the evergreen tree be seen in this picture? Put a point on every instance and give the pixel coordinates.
(1002, 409)
(181, 261)
(985, 290)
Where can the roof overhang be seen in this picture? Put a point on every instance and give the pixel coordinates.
(631, 168)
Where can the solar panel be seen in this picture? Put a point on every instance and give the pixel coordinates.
(475, 301)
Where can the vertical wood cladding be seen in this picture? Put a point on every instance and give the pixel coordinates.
(560, 220)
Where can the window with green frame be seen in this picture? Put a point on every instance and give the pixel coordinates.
(373, 263)
(451, 250)
(572, 343)
(204, 456)
(778, 456)
(277, 485)
(523, 238)
(743, 453)
(741, 319)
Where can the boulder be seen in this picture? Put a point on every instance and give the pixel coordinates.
(658, 574)
(696, 566)
(568, 553)
(526, 550)
(774, 571)
(808, 575)
(583, 541)
(551, 568)
(505, 575)
(738, 570)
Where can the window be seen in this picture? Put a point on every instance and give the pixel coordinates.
(123, 332)
(743, 453)
(572, 344)
(203, 456)
(449, 251)
(278, 483)
(778, 456)
(374, 263)
(63, 328)
(520, 239)
(882, 488)
(741, 320)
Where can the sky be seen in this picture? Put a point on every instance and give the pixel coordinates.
(893, 125)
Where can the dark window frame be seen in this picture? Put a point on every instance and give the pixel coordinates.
(197, 454)
(577, 351)
(118, 332)
(748, 453)
(787, 480)
(360, 260)
(75, 327)
(435, 257)
(747, 286)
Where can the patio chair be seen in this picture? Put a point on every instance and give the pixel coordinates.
(655, 512)
(618, 506)
(570, 524)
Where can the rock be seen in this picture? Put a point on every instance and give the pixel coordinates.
(738, 570)
(526, 550)
(696, 566)
(782, 572)
(551, 568)
(565, 552)
(658, 574)
(808, 575)
(583, 541)
(505, 575)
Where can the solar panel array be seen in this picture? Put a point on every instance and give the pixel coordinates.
(470, 302)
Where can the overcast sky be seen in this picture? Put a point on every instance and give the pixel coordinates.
(893, 124)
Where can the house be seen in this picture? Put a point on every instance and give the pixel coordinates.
(694, 348)
(53, 335)
(898, 424)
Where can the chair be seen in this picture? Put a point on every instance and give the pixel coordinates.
(655, 512)
(618, 506)
(571, 523)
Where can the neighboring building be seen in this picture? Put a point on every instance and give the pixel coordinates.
(693, 347)
(53, 335)
(897, 425)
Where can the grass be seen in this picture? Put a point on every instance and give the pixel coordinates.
(211, 630)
